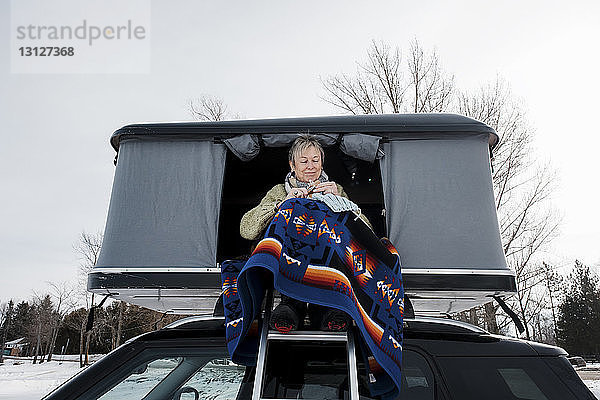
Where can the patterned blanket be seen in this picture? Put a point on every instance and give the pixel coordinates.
(319, 256)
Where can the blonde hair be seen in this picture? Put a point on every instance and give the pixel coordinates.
(302, 143)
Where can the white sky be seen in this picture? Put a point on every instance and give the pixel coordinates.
(265, 59)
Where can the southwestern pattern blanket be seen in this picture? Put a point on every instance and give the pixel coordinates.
(319, 256)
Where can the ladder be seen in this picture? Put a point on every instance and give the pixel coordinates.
(267, 335)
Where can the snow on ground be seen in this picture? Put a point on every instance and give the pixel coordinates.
(594, 387)
(590, 374)
(22, 380)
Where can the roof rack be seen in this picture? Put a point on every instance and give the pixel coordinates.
(192, 322)
(441, 325)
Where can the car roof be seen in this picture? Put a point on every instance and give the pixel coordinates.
(429, 333)
(417, 324)
(441, 338)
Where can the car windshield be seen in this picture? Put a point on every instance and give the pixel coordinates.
(502, 378)
(178, 378)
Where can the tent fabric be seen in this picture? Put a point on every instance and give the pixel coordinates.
(438, 195)
(286, 139)
(389, 126)
(357, 145)
(245, 147)
(363, 147)
(165, 204)
(439, 203)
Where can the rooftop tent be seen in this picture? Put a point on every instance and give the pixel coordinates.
(179, 190)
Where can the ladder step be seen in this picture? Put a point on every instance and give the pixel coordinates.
(308, 335)
(267, 334)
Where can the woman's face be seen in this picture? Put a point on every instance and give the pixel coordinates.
(308, 165)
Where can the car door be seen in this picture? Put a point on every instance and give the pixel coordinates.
(178, 367)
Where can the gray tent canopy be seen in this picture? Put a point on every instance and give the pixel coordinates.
(162, 231)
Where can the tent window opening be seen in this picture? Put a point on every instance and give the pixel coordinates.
(246, 182)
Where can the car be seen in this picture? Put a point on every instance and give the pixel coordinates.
(442, 359)
(423, 181)
(577, 361)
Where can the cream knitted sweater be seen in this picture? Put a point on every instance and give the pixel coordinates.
(256, 220)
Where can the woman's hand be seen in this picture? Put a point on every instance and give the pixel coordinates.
(326, 187)
(295, 193)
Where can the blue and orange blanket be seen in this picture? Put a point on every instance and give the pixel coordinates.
(319, 256)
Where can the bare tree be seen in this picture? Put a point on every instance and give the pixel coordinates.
(41, 330)
(527, 223)
(385, 84)
(373, 89)
(433, 90)
(554, 285)
(520, 194)
(208, 108)
(111, 319)
(65, 301)
(88, 248)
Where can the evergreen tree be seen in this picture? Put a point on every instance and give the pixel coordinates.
(579, 313)
(23, 318)
(7, 315)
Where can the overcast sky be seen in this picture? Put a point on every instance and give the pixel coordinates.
(265, 58)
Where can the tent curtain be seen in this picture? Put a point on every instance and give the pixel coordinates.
(439, 203)
(363, 147)
(245, 147)
(165, 203)
(357, 145)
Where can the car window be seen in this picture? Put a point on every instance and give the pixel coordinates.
(563, 368)
(418, 381)
(526, 378)
(179, 378)
(219, 379)
(520, 384)
(142, 379)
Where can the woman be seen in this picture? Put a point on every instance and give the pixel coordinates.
(306, 176)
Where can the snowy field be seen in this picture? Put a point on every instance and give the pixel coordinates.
(22, 380)
(594, 387)
(591, 377)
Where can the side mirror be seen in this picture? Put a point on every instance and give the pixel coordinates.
(181, 393)
(140, 370)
